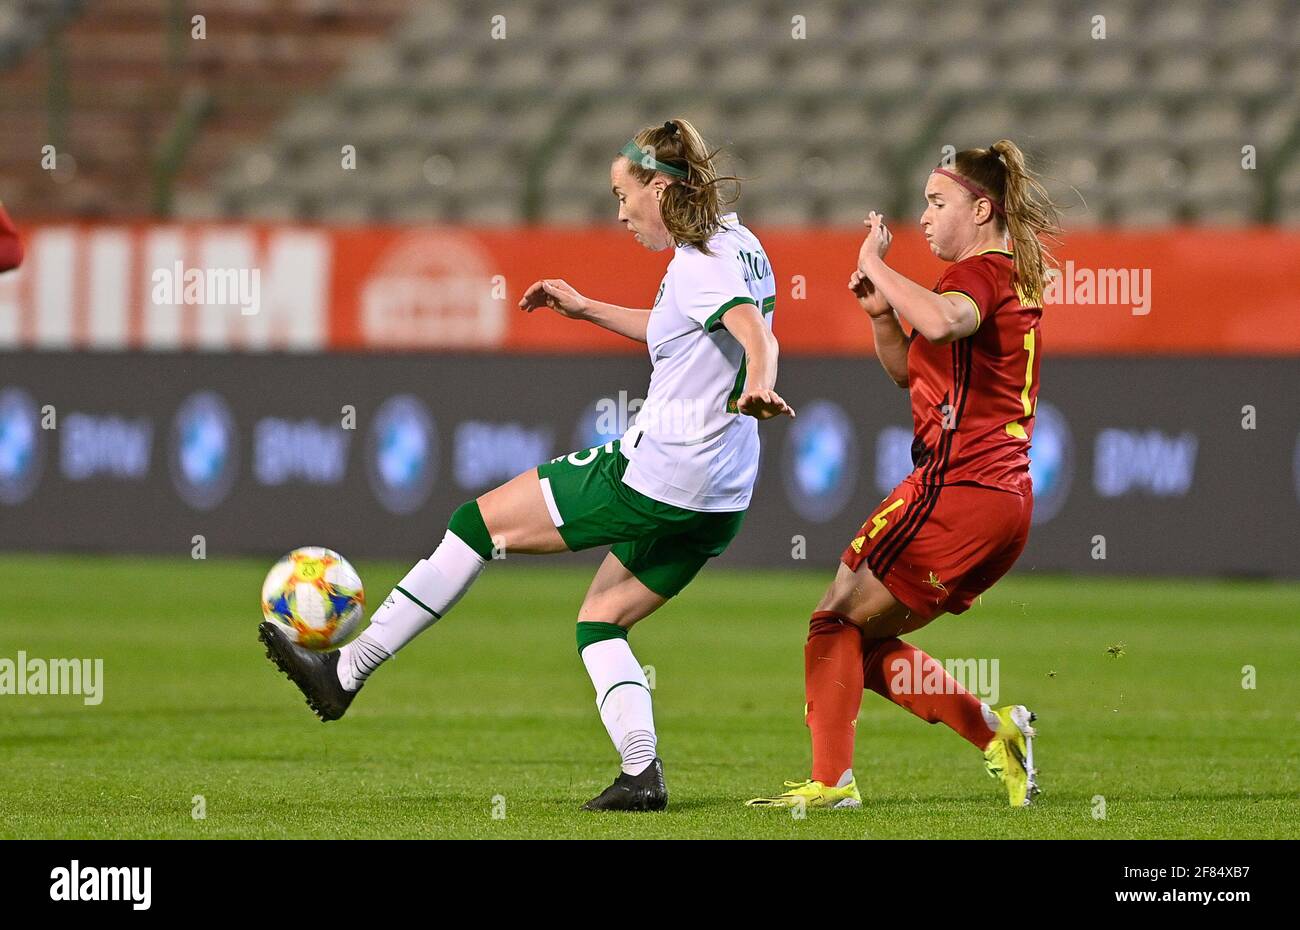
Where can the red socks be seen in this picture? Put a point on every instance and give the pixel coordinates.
(833, 680)
(893, 663)
(836, 670)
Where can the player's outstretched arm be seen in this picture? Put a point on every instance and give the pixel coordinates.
(758, 398)
(937, 318)
(560, 296)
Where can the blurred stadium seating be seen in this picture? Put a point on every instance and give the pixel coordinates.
(137, 107)
(452, 124)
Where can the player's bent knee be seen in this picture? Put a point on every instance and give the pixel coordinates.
(865, 601)
(515, 516)
(613, 610)
(621, 607)
(590, 632)
(467, 523)
(856, 596)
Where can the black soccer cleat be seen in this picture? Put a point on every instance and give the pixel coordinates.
(644, 792)
(315, 673)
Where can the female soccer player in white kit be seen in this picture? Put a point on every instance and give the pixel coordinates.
(666, 497)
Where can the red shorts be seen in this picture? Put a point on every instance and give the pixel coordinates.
(937, 549)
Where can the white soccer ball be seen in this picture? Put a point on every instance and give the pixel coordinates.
(315, 596)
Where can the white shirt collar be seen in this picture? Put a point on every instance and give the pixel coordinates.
(727, 219)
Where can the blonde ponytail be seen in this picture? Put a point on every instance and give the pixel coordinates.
(1026, 212)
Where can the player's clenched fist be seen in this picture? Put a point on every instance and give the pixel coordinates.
(869, 299)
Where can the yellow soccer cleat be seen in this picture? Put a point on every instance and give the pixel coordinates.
(813, 794)
(1009, 756)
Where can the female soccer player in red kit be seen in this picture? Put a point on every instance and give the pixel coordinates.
(958, 522)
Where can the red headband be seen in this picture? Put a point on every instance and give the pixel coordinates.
(972, 187)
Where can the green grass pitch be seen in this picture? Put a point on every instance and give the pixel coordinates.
(494, 702)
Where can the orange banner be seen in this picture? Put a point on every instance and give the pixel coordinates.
(1184, 291)
(255, 287)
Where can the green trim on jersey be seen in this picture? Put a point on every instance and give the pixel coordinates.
(715, 318)
(733, 399)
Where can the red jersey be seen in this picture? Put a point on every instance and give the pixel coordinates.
(973, 399)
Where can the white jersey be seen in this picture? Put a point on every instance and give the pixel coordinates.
(689, 446)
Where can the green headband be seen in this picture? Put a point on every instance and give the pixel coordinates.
(640, 156)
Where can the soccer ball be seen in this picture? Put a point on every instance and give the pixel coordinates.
(315, 596)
